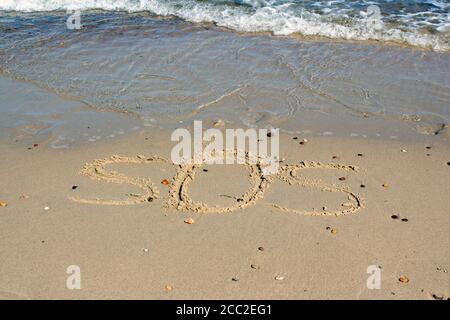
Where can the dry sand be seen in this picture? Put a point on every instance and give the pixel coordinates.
(305, 234)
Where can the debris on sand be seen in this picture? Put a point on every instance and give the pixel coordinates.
(279, 278)
(385, 185)
(3, 204)
(218, 123)
(189, 221)
(254, 266)
(165, 182)
(169, 287)
(403, 279)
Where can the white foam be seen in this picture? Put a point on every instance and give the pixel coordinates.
(255, 16)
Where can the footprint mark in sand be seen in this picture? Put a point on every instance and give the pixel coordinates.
(97, 170)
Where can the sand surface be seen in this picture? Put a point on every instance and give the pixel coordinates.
(306, 234)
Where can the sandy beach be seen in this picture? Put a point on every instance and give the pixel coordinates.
(93, 206)
(294, 242)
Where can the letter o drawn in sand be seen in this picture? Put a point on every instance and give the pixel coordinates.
(179, 192)
(96, 170)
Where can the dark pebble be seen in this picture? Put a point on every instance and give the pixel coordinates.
(360, 155)
(394, 216)
(448, 163)
(269, 134)
(342, 178)
(428, 147)
(363, 186)
(205, 170)
(235, 279)
(74, 187)
(150, 199)
(295, 138)
(405, 220)
(261, 248)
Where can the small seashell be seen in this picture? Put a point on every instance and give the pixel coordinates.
(279, 278)
(403, 279)
(165, 182)
(403, 150)
(168, 287)
(333, 231)
(189, 221)
(324, 208)
(385, 185)
(46, 208)
(3, 204)
(261, 248)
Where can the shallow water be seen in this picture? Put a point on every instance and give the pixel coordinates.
(167, 71)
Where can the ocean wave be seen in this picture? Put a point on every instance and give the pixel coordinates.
(331, 19)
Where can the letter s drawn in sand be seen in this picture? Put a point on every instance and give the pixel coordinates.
(96, 170)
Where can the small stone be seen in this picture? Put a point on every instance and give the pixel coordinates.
(165, 182)
(342, 178)
(403, 150)
(218, 123)
(360, 155)
(394, 216)
(168, 287)
(235, 279)
(74, 187)
(189, 221)
(448, 163)
(261, 248)
(46, 208)
(295, 138)
(324, 208)
(333, 231)
(24, 196)
(304, 141)
(362, 185)
(334, 157)
(150, 199)
(279, 278)
(205, 170)
(385, 185)
(403, 279)
(269, 134)
(3, 204)
(405, 220)
(254, 266)
(145, 250)
(428, 147)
